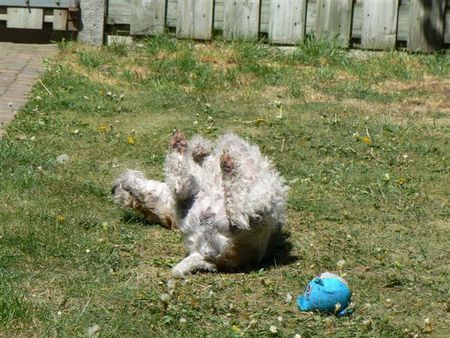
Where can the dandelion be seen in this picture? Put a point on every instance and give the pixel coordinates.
(260, 120)
(102, 128)
(130, 139)
(60, 218)
(401, 181)
(235, 329)
(340, 263)
(366, 140)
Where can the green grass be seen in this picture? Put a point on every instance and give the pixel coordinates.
(363, 144)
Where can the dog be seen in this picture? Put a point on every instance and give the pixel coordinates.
(226, 199)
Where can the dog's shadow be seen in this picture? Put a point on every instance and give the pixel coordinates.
(279, 253)
(131, 217)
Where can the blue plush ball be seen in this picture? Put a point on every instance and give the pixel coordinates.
(327, 293)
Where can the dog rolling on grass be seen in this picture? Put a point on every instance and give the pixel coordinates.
(226, 199)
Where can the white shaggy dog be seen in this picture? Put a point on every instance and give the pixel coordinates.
(226, 199)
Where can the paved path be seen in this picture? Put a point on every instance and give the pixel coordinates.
(20, 67)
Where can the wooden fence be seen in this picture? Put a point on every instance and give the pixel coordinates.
(420, 25)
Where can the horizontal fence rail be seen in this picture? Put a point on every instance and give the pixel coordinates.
(421, 25)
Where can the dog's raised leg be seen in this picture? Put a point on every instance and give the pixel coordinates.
(178, 168)
(192, 263)
(151, 198)
(235, 200)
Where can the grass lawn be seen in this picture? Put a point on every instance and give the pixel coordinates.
(363, 142)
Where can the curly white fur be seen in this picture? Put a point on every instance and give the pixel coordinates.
(227, 200)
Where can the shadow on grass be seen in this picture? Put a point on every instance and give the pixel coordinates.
(280, 252)
(130, 217)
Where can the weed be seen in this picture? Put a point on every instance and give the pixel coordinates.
(320, 52)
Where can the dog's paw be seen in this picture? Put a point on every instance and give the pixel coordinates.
(226, 163)
(178, 141)
(177, 272)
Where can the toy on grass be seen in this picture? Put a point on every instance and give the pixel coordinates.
(327, 293)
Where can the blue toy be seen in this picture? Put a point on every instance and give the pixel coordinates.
(327, 293)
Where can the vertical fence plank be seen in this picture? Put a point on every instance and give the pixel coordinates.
(147, 17)
(334, 19)
(426, 25)
(287, 21)
(241, 19)
(195, 19)
(379, 26)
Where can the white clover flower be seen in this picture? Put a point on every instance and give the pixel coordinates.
(165, 297)
(288, 298)
(93, 330)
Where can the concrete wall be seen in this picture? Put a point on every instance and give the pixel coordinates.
(92, 21)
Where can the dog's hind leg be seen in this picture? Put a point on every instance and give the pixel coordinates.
(151, 198)
(178, 168)
(192, 263)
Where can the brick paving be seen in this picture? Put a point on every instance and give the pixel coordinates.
(20, 67)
